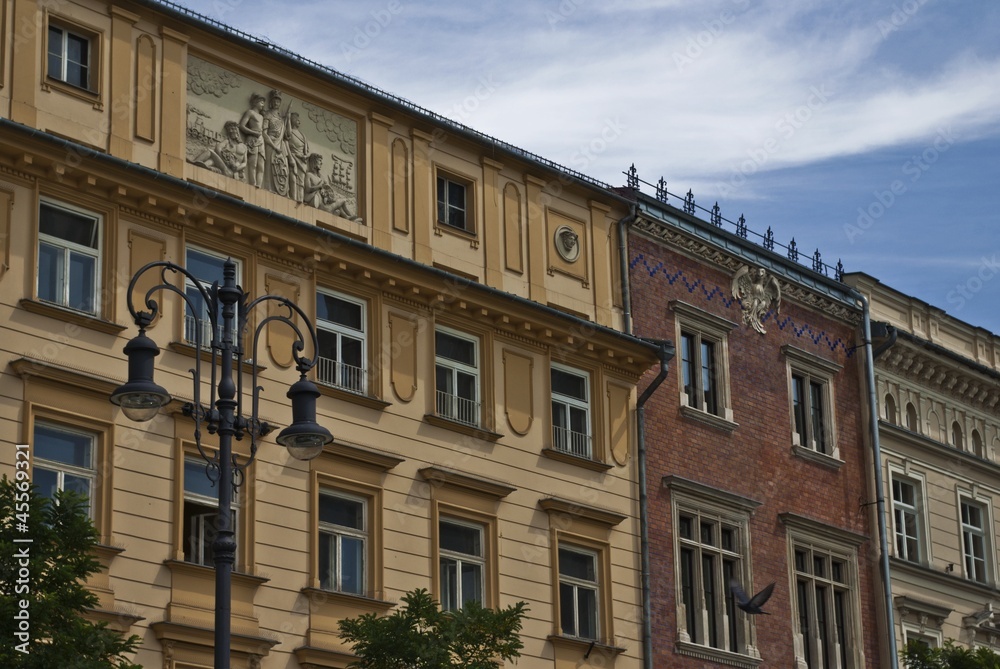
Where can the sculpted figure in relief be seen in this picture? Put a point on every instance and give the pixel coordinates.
(229, 157)
(251, 125)
(276, 162)
(756, 291)
(297, 149)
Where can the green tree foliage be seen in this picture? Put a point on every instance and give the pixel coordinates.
(950, 656)
(419, 635)
(48, 574)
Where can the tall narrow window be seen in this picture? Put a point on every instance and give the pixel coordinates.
(974, 544)
(911, 418)
(890, 409)
(698, 367)
(571, 411)
(340, 328)
(809, 400)
(578, 592)
(824, 602)
(343, 535)
(69, 57)
(977, 444)
(69, 242)
(906, 518)
(957, 438)
(462, 564)
(207, 268)
(452, 204)
(63, 460)
(457, 376)
(201, 504)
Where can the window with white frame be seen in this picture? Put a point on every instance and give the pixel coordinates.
(907, 518)
(579, 592)
(201, 505)
(463, 563)
(704, 366)
(69, 256)
(207, 268)
(975, 545)
(69, 57)
(63, 459)
(810, 382)
(824, 606)
(456, 368)
(453, 203)
(571, 411)
(340, 329)
(343, 538)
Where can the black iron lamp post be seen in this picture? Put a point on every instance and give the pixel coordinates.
(226, 307)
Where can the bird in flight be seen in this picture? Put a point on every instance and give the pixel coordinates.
(751, 604)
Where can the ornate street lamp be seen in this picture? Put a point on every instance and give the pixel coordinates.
(141, 398)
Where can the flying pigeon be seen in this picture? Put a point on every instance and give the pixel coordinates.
(750, 604)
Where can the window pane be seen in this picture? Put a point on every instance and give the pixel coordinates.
(352, 558)
(327, 343)
(47, 481)
(466, 386)
(685, 523)
(567, 609)
(798, 408)
(449, 584)
(456, 195)
(82, 279)
(454, 348)
(351, 352)
(341, 511)
(708, 376)
(207, 268)
(461, 539)
(76, 49)
(77, 484)
(69, 448)
(336, 310)
(76, 74)
(67, 225)
(327, 563)
(578, 421)
(472, 583)
(571, 385)
(577, 565)
(587, 601)
(196, 480)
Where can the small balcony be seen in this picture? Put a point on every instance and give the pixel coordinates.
(335, 374)
(458, 409)
(569, 441)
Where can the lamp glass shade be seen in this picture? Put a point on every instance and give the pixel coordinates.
(304, 440)
(140, 401)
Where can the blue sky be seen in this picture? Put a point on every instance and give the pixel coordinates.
(868, 130)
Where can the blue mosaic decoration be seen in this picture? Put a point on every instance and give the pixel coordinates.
(713, 292)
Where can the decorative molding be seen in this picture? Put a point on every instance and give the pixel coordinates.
(363, 455)
(756, 291)
(838, 535)
(709, 419)
(439, 476)
(717, 655)
(469, 430)
(907, 605)
(605, 517)
(948, 377)
(705, 493)
(586, 463)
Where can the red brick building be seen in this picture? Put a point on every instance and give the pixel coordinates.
(757, 468)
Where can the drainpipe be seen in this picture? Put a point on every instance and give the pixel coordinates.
(877, 455)
(666, 354)
(623, 226)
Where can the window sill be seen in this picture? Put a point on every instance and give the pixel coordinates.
(71, 89)
(585, 646)
(586, 463)
(369, 401)
(68, 315)
(718, 655)
(462, 428)
(462, 233)
(710, 419)
(319, 596)
(818, 458)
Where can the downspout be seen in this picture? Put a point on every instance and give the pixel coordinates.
(666, 354)
(623, 226)
(879, 487)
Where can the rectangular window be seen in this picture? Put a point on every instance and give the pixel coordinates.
(69, 57)
(343, 538)
(571, 411)
(452, 204)
(63, 460)
(462, 564)
(809, 400)
(974, 544)
(207, 268)
(709, 559)
(824, 602)
(457, 376)
(579, 591)
(201, 505)
(699, 371)
(340, 330)
(69, 257)
(906, 518)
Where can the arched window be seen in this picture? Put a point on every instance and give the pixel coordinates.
(890, 408)
(977, 444)
(956, 436)
(911, 417)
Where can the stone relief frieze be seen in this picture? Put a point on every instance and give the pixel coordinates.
(269, 140)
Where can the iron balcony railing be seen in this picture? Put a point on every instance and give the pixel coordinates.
(569, 441)
(458, 409)
(336, 374)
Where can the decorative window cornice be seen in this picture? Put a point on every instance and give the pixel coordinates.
(605, 517)
(467, 482)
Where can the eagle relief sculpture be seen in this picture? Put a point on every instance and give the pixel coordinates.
(756, 290)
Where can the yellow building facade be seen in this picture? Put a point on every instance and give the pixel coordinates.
(938, 385)
(470, 356)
